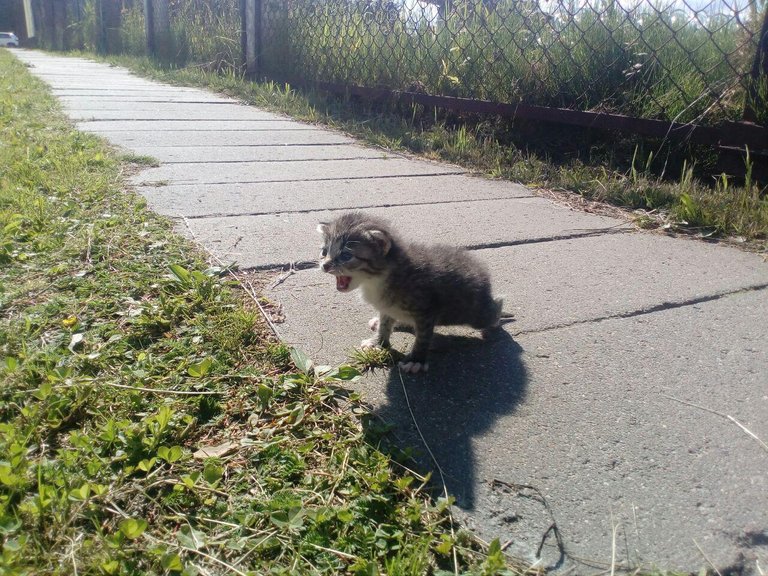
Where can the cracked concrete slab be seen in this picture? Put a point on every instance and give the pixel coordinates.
(203, 201)
(141, 110)
(72, 97)
(131, 91)
(107, 126)
(609, 422)
(281, 238)
(246, 153)
(307, 170)
(168, 112)
(293, 137)
(543, 286)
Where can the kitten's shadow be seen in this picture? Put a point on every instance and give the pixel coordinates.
(471, 383)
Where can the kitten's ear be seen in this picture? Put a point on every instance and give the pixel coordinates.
(323, 228)
(382, 239)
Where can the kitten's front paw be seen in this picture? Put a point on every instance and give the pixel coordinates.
(411, 367)
(371, 343)
(373, 323)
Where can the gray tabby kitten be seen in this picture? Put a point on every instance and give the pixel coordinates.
(413, 284)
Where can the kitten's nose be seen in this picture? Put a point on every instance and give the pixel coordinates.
(326, 265)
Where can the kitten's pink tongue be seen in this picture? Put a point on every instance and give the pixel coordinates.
(342, 282)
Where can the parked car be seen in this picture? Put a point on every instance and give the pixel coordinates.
(9, 39)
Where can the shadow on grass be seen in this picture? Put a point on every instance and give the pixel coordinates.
(471, 383)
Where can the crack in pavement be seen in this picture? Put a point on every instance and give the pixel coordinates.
(647, 310)
(366, 207)
(255, 161)
(121, 131)
(307, 264)
(164, 184)
(255, 145)
(587, 233)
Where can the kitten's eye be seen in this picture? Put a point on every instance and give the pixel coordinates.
(324, 252)
(345, 257)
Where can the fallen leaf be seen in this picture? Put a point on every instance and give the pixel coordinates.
(218, 451)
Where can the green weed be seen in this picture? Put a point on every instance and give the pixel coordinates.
(366, 359)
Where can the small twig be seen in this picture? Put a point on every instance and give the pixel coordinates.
(204, 555)
(172, 482)
(283, 277)
(216, 560)
(239, 280)
(339, 479)
(558, 538)
(722, 415)
(338, 553)
(707, 558)
(153, 390)
(614, 529)
(552, 528)
(88, 249)
(74, 558)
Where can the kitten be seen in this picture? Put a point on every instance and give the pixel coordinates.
(413, 284)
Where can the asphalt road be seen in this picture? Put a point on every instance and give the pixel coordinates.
(622, 403)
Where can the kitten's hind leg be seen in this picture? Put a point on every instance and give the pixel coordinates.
(416, 361)
(383, 326)
(488, 331)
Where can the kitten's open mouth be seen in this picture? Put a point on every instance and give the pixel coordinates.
(342, 283)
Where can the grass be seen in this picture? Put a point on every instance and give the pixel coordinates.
(369, 359)
(122, 354)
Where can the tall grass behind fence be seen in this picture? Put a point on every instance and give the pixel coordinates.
(204, 33)
(207, 33)
(660, 59)
(133, 34)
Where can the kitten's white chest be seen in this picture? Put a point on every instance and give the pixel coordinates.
(373, 292)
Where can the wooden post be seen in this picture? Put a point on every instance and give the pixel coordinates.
(149, 26)
(251, 11)
(113, 16)
(101, 27)
(157, 23)
(243, 35)
(758, 77)
(162, 18)
(73, 32)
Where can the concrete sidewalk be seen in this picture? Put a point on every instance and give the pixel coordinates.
(604, 407)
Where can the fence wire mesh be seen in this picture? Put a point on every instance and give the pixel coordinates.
(685, 61)
(673, 60)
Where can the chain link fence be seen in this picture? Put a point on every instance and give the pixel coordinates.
(686, 61)
(694, 62)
